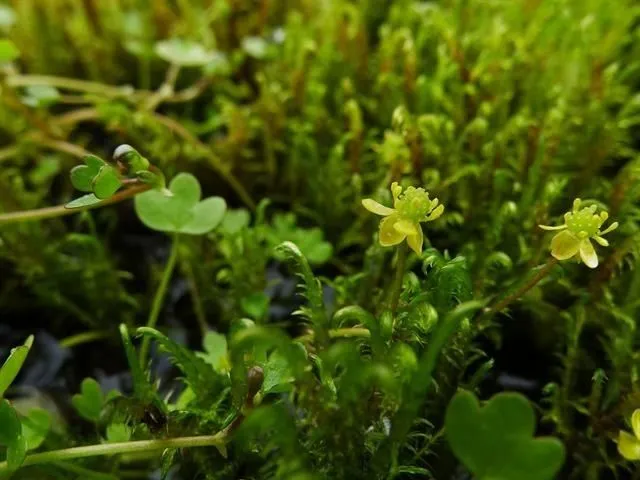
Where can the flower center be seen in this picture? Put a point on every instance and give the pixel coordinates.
(583, 223)
(414, 204)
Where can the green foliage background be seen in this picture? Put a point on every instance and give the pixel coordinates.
(294, 111)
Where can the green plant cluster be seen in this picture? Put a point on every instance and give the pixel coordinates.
(319, 345)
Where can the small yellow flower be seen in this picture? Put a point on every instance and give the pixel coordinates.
(403, 221)
(580, 225)
(629, 445)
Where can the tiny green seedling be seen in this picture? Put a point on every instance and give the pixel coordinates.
(496, 442)
(90, 401)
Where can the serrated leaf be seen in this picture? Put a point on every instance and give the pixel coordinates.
(82, 175)
(106, 182)
(13, 364)
(90, 401)
(35, 427)
(198, 374)
(83, 201)
(180, 210)
(277, 375)
(496, 441)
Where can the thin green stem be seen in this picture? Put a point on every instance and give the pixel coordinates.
(396, 286)
(198, 309)
(84, 337)
(140, 446)
(61, 210)
(69, 84)
(158, 300)
(505, 302)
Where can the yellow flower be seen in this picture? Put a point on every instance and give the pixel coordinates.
(629, 445)
(403, 221)
(580, 225)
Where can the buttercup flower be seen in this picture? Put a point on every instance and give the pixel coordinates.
(403, 221)
(629, 445)
(580, 225)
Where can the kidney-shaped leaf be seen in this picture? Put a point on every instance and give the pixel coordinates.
(180, 210)
(496, 442)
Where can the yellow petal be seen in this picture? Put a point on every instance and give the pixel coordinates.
(548, 227)
(415, 241)
(396, 190)
(635, 423)
(629, 446)
(435, 213)
(564, 245)
(610, 228)
(388, 235)
(376, 208)
(407, 227)
(588, 254)
(601, 241)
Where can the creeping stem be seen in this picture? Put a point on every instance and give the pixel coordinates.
(61, 210)
(217, 440)
(158, 300)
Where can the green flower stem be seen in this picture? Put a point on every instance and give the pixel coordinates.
(84, 337)
(141, 446)
(61, 210)
(158, 300)
(396, 287)
(543, 272)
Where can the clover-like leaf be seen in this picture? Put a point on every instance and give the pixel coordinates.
(184, 52)
(13, 364)
(82, 175)
(310, 241)
(89, 401)
(11, 435)
(496, 442)
(179, 210)
(106, 182)
(35, 427)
